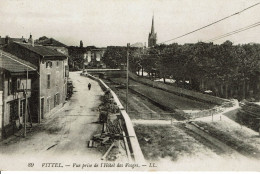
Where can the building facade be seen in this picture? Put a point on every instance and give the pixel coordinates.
(94, 58)
(49, 84)
(85, 57)
(15, 93)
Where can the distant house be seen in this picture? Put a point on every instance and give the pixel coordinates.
(90, 57)
(138, 45)
(49, 84)
(14, 88)
(94, 57)
(53, 44)
(6, 40)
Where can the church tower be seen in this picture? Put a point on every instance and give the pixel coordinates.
(152, 36)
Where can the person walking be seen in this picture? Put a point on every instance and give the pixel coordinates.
(89, 86)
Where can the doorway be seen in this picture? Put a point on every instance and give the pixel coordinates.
(42, 108)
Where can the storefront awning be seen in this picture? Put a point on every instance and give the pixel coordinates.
(14, 64)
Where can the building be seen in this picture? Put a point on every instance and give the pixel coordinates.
(53, 44)
(138, 45)
(15, 92)
(94, 57)
(90, 57)
(152, 38)
(49, 84)
(6, 40)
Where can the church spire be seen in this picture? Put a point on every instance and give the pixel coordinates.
(152, 28)
(152, 38)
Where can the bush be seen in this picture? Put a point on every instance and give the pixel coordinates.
(247, 120)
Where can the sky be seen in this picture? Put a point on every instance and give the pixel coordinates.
(118, 22)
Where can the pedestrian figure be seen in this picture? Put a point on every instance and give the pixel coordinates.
(89, 86)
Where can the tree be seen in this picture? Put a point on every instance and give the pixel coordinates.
(115, 57)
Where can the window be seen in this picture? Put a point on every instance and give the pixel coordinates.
(13, 110)
(9, 86)
(14, 85)
(98, 57)
(48, 81)
(22, 108)
(66, 71)
(56, 99)
(48, 104)
(49, 64)
(57, 64)
(18, 83)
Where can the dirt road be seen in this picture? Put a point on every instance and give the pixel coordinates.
(66, 133)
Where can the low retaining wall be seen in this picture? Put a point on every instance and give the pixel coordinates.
(179, 91)
(131, 136)
(1, 113)
(112, 73)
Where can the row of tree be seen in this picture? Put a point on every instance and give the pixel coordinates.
(230, 71)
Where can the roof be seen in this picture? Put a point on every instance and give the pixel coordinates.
(14, 64)
(2, 40)
(138, 44)
(49, 42)
(42, 50)
(91, 47)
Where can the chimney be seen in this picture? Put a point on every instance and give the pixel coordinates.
(30, 40)
(7, 40)
(81, 44)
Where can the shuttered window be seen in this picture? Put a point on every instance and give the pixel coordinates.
(48, 81)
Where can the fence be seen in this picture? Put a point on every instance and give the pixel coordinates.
(172, 115)
(151, 115)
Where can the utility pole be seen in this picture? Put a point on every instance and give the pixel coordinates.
(26, 103)
(127, 78)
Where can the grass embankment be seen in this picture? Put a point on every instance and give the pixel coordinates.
(161, 141)
(241, 139)
(166, 99)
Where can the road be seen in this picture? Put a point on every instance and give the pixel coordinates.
(66, 133)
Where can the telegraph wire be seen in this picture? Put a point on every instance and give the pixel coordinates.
(237, 13)
(234, 32)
